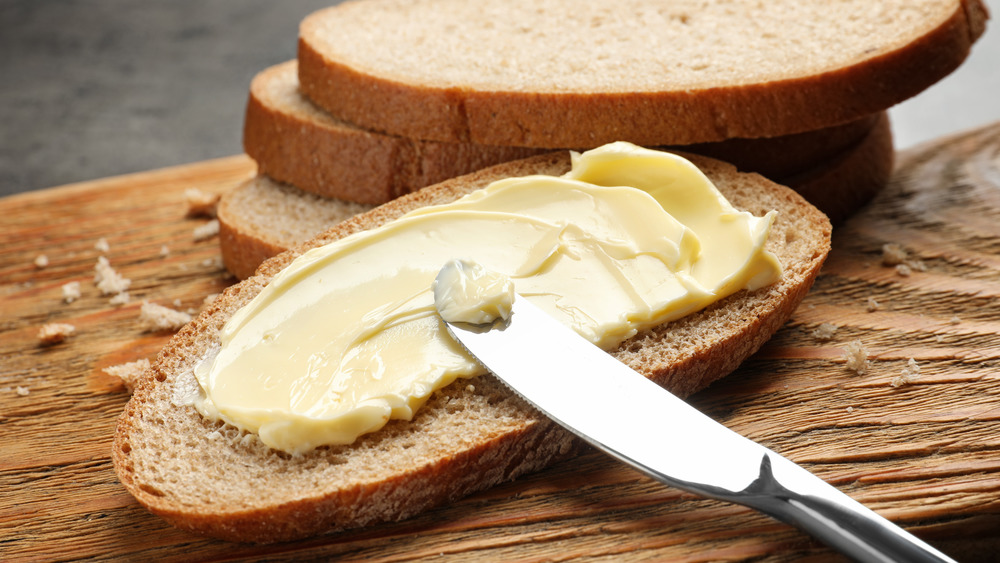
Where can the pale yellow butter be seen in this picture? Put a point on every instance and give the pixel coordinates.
(466, 292)
(347, 336)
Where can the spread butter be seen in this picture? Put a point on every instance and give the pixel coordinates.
(466, 292)
(347, 336)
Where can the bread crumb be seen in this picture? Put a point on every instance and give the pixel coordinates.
(824, 332)
(102, 245)
(108, 280)
(129, 372)
(872, 305)
(201, 204)
(470, 388)
(22, 391)
(164, 251)
(893, 254)
(71, 291)
(857, 357)
(156, 318)
(41, 261)
(207, 231)
(850, 409)
(910, 374)
(54, 333)
(177, 303)
(955, 320)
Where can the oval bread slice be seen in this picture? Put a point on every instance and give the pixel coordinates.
(213, 479)
(553, 73)
(297, 143)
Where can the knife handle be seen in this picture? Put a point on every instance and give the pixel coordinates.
(791, 494)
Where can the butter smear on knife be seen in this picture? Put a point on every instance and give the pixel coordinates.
(347, 336)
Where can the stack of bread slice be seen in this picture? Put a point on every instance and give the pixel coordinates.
(390, 96)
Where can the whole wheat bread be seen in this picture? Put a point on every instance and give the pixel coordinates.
(552, 73)
(297, 143)
(262, 217)
(212, 479)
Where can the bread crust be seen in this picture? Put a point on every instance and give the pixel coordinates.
(771, 106)
(849, 180)
(212, 479)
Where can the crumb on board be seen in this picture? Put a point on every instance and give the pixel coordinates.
(129, 372)
(108, 280)
(201, 203)
(206, 231)
(71, 291)
(871, 305)
(824, 332)
(102, 245)
(22, 391)
(893, 254)
(164, 251)
(856, 356)
(850, 409)
(157, 318)
(54, 333)
(955, 320)
(41, 261)
(910, 374)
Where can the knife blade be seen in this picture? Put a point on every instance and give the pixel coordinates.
(624, 414)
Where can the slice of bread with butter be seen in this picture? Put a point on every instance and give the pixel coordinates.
(204, 475)
(551, 73)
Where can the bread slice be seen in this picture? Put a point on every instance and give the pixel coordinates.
(261, 217)
(212, 479)
(848, 181)
(297, 143)
(554, 73)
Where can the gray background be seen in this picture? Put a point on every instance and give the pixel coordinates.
(93, 89)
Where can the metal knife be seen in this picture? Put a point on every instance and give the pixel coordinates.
(608, 404)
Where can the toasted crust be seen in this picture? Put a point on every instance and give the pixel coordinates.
(789, 80)
(213, 479)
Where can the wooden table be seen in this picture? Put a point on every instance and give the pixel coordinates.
(926, 454)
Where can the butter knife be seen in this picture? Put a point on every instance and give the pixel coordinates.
(606, 403)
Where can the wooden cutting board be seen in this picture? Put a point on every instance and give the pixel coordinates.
(925, 454)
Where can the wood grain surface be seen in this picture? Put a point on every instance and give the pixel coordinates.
(925, 454)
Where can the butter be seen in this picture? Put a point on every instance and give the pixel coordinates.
(347, 336)
(466, 292)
